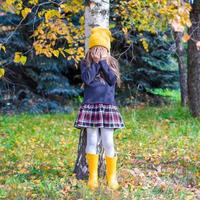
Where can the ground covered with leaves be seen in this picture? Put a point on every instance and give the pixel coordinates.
(158, 156)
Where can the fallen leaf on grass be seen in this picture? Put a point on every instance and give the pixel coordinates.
(66, 189)
(162, 185)
(131, 177)
(116, 195)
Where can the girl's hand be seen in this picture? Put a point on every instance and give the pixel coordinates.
(104, 54)
(99, 53)
(95, 56)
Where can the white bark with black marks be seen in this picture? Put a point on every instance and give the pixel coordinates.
(96, 14)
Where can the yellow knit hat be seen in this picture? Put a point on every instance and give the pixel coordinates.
(100, 36)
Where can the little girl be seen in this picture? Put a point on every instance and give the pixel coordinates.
(100, 73)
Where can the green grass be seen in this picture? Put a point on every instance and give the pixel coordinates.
(172, 94)
(158, 156)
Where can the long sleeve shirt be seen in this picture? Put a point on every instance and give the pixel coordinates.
(95, 91)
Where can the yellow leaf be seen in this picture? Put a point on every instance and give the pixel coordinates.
(2, 72)
(61, 51)
(189, 23)
(23, 59)
(33, 2)
(80, 50)
(56, 53)
(17, 57)
(51, 13)
(69, 51)
(3, 48)
(9, 2)
(125, 30)
(25, 12)
(186, 37)
(36, 181)
(145, 44)
(69, 38)
(81, 20)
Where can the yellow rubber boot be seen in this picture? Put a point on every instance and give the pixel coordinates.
(111, 165)
(92, 160)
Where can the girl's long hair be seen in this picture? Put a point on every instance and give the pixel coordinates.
(112, 62)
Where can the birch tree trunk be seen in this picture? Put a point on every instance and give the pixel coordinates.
(96, 14)
(182, 68)
(194, 61)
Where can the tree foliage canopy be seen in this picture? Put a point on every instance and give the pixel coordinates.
(41, 42)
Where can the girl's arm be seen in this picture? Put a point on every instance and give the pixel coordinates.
(88, 74)
(108, 72)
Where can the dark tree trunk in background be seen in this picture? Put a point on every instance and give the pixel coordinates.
(96, 14)
(81, 167)
(182, 68)
(194, 61)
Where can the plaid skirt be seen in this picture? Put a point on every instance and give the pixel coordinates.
(99, 115)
